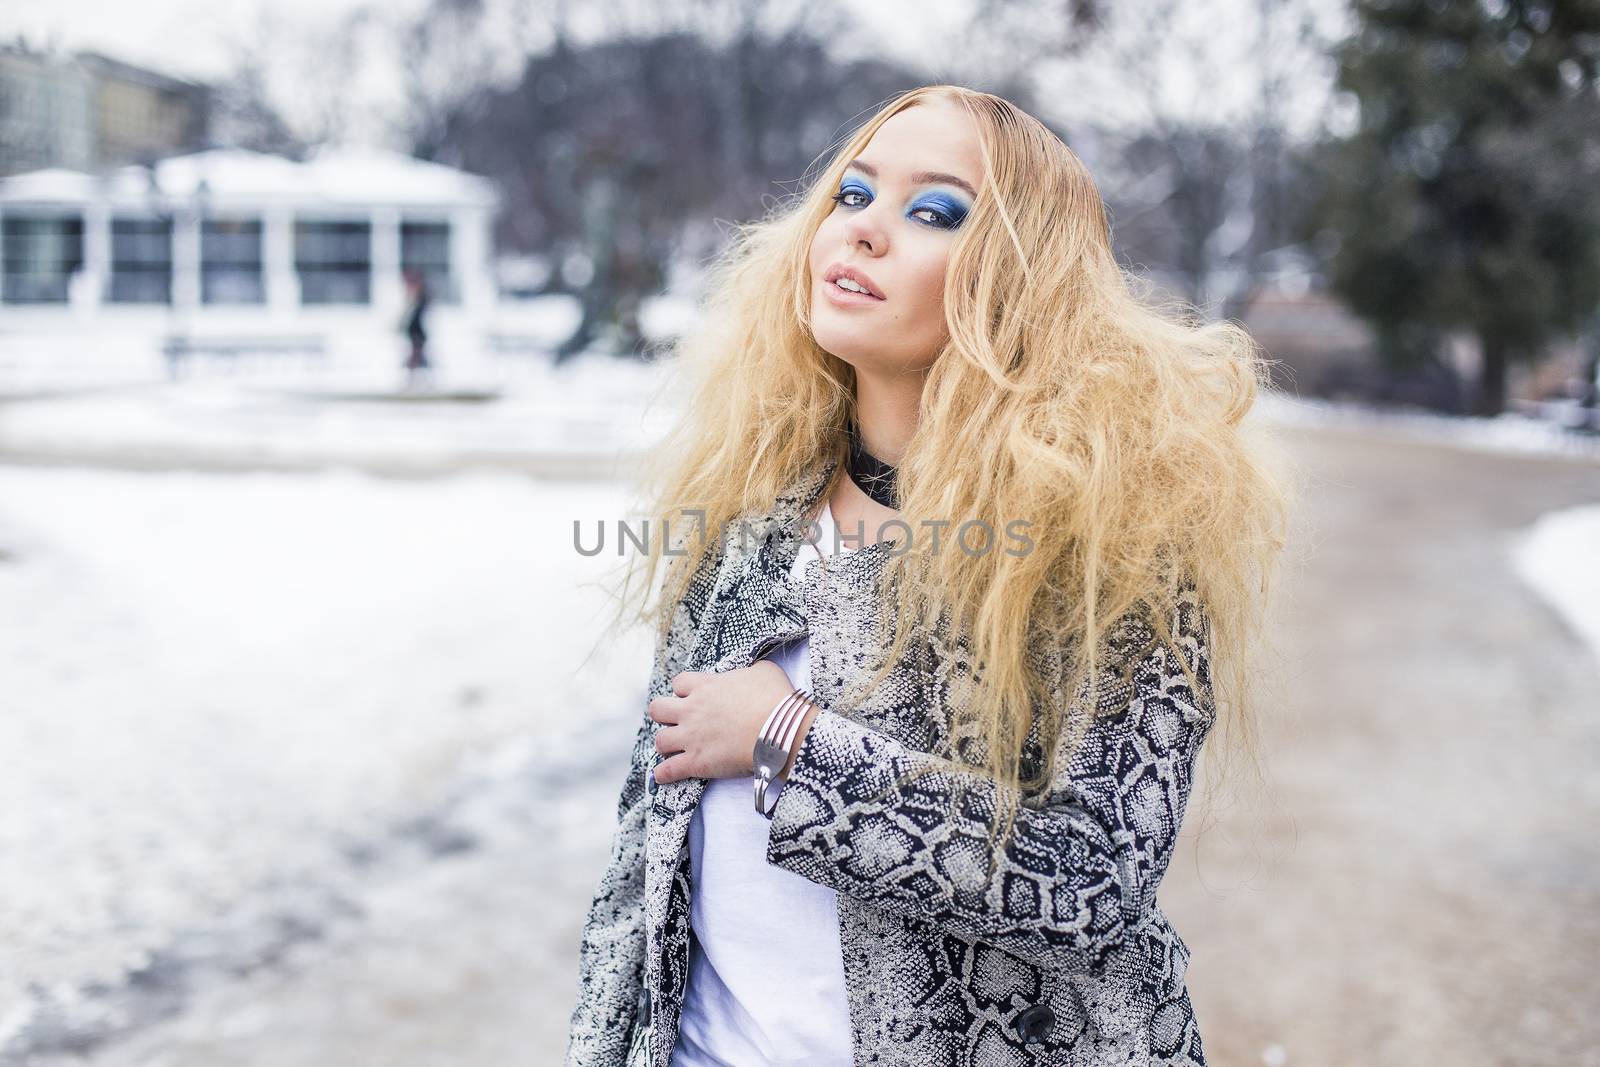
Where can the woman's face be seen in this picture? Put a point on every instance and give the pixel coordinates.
(896, 213)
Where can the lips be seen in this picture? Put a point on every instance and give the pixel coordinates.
(836, 271)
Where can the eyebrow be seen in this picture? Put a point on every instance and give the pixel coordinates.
(920, 177)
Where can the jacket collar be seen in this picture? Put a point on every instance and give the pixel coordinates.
(793, 504)
(801, 495)
(758, 602)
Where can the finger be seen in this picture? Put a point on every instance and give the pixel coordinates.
(683, 682)
(666, 709)
(668, 740)
(670, 770)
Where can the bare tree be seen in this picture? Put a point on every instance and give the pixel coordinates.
(449, 57)
(1190, 117)
(244, 115)
(298, 84)
(612, 154)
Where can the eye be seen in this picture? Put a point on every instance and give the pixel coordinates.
(942, 212)
(939, 219)
(937, 216)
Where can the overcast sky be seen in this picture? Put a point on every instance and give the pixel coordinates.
(183, 37)
(198, 39)
(190, 37)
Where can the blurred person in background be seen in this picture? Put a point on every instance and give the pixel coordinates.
(985, 740)
(419, 372)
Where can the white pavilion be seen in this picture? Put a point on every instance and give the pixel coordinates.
(234, 250)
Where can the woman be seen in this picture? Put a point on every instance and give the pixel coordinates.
(997, 746)
(418, 370)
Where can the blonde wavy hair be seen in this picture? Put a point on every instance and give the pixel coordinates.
(1113, 424)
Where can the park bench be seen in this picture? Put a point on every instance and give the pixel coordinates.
(233, 350)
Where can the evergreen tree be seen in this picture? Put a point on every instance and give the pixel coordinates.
(1468, 196)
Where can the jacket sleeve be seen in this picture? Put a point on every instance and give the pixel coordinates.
(1073, 874)
(611, 955)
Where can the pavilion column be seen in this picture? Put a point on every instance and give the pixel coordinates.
(471, 258)
(186, 260)
(92, 289)
(388, 289)
(277, 261)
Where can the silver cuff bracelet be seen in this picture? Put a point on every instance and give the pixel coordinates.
(772, 745)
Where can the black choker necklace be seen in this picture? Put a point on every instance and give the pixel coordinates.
(871, 475)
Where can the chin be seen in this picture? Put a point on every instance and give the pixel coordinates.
(850, 348)
(843, 339)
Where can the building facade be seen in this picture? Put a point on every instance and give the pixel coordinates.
(232, 243)
(86, 111)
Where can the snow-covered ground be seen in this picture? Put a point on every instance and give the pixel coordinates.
(1509, 432)
(222, 690)
(1560, 558)
(574, 420)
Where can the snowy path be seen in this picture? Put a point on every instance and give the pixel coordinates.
(230, 698)
(577, 421)
(1422, 883)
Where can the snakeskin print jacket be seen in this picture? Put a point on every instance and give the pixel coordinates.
(1058, 954)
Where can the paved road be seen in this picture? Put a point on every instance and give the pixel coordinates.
(1422, 883)
(1419, 885)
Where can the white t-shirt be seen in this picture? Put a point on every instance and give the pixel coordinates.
(766, 975)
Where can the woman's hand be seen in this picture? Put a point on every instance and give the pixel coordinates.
(714, 720)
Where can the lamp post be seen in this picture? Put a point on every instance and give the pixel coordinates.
(156, 206)
(185, 220)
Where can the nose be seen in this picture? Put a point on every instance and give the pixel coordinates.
(863, 231)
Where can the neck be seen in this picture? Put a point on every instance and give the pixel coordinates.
(886, 412)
